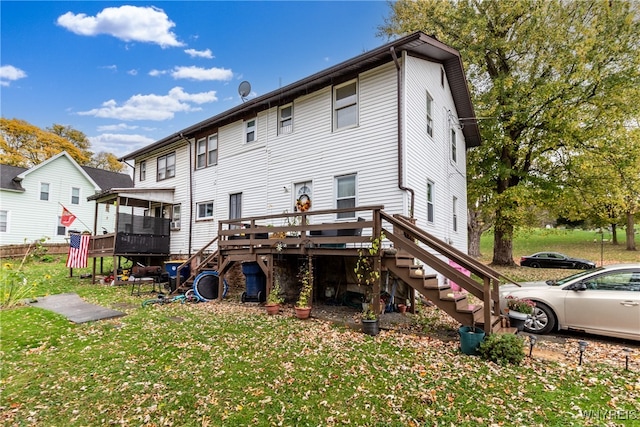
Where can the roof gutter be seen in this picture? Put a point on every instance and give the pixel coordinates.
(401, 185)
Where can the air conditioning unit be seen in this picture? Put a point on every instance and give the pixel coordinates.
(174, 225)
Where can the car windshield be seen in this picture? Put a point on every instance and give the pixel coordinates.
(572, 277)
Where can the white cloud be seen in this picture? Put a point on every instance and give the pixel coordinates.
(152, 107)
(156, 73)
(9, 73)
(118, 127)
(128, 23)
(118, 144)
(197, 73)
(133, 72)
(199, 53)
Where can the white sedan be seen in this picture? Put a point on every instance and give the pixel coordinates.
(602, 301)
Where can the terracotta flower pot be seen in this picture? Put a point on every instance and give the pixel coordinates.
(273, 309)
(402, 308)
(303, 312)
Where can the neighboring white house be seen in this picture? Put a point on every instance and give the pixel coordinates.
(31, 200)
(388, 127)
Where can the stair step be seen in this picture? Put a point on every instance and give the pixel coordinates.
(505, 330)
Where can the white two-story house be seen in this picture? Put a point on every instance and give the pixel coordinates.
(388, 127)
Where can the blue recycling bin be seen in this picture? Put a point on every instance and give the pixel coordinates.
(256, 282)
(171, 267)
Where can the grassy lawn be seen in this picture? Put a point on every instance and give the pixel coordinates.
(228, 364)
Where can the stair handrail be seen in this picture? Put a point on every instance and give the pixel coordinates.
(450, 251)
(192, 257)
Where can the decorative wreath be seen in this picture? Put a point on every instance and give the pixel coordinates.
(303, 203)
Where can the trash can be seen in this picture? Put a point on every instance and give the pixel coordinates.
(256, 282)
(206, 286)
(470, 339)
(171, 267)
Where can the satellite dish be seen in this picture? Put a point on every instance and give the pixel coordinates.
(244, 89)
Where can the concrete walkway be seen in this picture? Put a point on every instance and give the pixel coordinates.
(75, 308)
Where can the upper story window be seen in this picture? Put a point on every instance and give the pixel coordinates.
(454, 148)
(175, 217)
(285, 119)
(250, 130)
(454, 218)
(143, 171)
(201, 153)
(166, 166)
(345, 105)
(429, 115)
(430, 201)
(207, 151)
(4, 221)
(44, 191)
(204, 210)
(346, 194)
(75, 196)
(441, 76)
(212, 150)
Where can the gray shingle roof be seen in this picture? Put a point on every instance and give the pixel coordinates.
(7, 173)
(107, 180)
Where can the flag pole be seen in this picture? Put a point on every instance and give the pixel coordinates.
(82, 222)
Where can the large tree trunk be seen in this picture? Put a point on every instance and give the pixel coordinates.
(474, 242)
(614, 234)
(475, 227)
(503, 242)
(631, 237)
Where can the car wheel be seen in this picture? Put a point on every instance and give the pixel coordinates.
(542, 321)
(584, 267)
(534, 265)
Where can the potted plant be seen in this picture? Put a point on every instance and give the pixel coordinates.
(370, 325)
(274, 299)
(303, 305)
(519, 310)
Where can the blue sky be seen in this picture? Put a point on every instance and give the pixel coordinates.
(129, 73)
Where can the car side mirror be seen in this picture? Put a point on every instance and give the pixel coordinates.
(580, 286)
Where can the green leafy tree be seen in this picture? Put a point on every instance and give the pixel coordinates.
(539, 70)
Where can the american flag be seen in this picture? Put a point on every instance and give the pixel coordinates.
(78, 248)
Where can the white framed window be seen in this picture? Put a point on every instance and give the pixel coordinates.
(454, 217)
(454, 146)
(345, 105)
(4, 221)
(75, 196)
(44, 191)
(235, 205)
(442, 75)
(143, 171)
(429, 115)
(61, 230)
(175, 217)
(346, 194)
(250, 130)
(166, 166)
(430, 201)
(212, 150)
(204, 210)
(285, 119)
(201, 153)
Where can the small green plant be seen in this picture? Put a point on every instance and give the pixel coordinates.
(275, 296)
(502, 349)
(306, 278)
(14, 286)
(523, 306)
(369, 314)
(366, 273)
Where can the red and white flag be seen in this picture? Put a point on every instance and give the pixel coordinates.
(78, 249)
(67, 217)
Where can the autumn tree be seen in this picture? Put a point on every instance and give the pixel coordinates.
(25, 145)
(538, 71)
(106, 161)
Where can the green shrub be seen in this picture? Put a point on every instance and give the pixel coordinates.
(502, 349)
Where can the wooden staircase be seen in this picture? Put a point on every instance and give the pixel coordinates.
(405, 261)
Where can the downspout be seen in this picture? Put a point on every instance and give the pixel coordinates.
(401, 185)
(190, 240)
